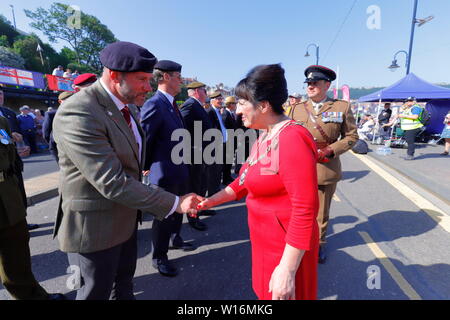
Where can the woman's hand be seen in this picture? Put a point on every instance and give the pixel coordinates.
(205, 204)
(282, 284)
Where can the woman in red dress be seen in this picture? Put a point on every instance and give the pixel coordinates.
(280, 182)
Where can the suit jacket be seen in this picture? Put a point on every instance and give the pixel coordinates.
(11, 116)
(100, 175)
(228, 119)
(47, 129)
(341, 130)
(159, 120)
(213, 118)
(12, 206)
(192, 112)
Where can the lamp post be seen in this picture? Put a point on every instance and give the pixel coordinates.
(394, 64)
(14, 16)
(317, 52)
(421, 22)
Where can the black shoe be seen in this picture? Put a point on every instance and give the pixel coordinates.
(208, 213)
(56, 296)
(33, 226)
(185, 246)
(322, 255)
(445, 153)
(164, 267)
(198, 225)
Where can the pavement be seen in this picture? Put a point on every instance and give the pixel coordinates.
(429, 170)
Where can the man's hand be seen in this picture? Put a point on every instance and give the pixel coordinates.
(17, 137)
(325, 154)
(188, 204)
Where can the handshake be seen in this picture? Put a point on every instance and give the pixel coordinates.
(191, 204)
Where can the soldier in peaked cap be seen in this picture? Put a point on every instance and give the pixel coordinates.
(333, 127)
(101, 149)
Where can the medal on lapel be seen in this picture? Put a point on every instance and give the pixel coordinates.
(4, 137)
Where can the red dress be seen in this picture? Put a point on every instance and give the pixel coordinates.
(282, 203)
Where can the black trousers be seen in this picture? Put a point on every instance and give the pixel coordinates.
(410, 137)
(15, 264)
(29, 136)
(106, 274)
(162, 231)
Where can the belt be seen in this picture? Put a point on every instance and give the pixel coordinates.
(5, 174)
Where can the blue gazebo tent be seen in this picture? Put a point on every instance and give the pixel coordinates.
(409, 86)
(437, 98)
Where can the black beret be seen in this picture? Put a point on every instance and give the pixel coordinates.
(316, 73)
(127, 57)
(168, 66)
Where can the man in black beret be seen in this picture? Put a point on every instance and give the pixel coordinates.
(101, 149)
(333, 127)
(160, 117)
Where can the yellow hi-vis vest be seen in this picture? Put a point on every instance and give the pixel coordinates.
(409, 124)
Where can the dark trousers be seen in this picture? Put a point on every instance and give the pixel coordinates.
(214, 178)
(228, 157)
(15, 264)
(199, 182)
(29, 136)
(107, 274)
(162, 231)
(410, 137)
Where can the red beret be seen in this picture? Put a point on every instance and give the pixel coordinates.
(85, 78)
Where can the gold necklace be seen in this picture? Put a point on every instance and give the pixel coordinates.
(273, 145)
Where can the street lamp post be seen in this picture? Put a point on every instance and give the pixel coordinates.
(394, 64)
(420, 23)
(411, 40)
(14, 16)
(317, 52)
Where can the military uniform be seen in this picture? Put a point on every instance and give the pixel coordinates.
(15, 261)
(333, 127)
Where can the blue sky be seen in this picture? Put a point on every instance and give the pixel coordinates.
(220, 41)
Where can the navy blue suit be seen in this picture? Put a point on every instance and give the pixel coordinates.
(159, 120)
(47, 131)
(192, 112)
(12, 119)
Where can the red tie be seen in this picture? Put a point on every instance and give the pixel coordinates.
(126, 114)
(177, 111)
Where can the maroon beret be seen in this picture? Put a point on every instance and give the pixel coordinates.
(85, 78)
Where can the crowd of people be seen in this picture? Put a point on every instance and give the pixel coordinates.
(116, 153)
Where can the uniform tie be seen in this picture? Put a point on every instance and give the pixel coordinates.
(126, 114)
(177, 111)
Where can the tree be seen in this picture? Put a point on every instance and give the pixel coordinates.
(26, 46)
(84, 33)
(7, 30)
(8, 58)
(4, 41)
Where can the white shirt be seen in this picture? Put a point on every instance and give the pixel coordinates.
(222, 126)
(168, 96)
(120, 105)
(318, 105)
(57, 72)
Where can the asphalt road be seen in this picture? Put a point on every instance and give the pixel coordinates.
(39, 164)
(410, 250)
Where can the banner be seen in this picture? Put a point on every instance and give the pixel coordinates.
(59, 83)
(345, 93)
(18, 77)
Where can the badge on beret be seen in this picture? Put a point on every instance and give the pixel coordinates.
(350, 143)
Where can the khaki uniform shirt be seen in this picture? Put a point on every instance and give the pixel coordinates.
(336, 119)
